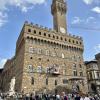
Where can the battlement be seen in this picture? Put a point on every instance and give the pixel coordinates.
(51, 30)
(40, 26)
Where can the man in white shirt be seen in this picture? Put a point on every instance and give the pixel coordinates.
(84, 97)
(87, 98)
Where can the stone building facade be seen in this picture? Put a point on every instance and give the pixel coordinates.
(48, 58)
(7, 74)
(93, 76)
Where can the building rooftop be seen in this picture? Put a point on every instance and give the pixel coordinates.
(97, 56)
(92, 61)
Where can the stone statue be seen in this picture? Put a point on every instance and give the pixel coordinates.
(12, 86)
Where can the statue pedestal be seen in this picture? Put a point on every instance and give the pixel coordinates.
(12, 86)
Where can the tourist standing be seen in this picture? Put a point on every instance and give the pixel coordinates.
(77, 97)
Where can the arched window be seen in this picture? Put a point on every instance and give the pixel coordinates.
(39, 33)
(44, 34)
(32, 80)
(29, 30)
(80, 65)
(73, 41)
(75, 72)
(48, 35)
(65, 39)
(57, 37)
(46, 81)
(61, 38)
(34, 31)
(30, 68)
(69, 40)
(53, 36)
(39, 69)
(76, 42)
(55, 82)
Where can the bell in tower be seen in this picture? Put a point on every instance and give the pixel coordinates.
(58, 10)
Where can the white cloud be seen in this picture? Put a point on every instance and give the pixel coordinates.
(24, 5)
(96, 10)
(90, 19)
(3, 18)
(76, 20)
(2, 62)
(88, 1)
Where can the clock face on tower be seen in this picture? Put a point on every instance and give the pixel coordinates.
(62, 30)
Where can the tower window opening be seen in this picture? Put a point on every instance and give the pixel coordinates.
(55, 82)
(35, 31)
(44, 34)
(29, 30)
(39, 33)
(46, 81)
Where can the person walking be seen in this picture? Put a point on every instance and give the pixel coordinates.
(87, 97)
(82, 97)
(57, 97)
(77, 97)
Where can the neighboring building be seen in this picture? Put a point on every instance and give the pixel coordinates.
(98, 59)
(46, 59)
(93, 76)
(7, 74)
(1, 77)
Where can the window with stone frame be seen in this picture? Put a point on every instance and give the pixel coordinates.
(48, 70)
(98, 74)
(74, 66)
(80, 66)
(39, 69)
(75, 72)
(29, 30)
(65, 81)
(53, 54)
(30, 68)
(34, 31)
(39, 51)
(32, 50)
(81, 73)
(39, 33)
(46, 81)
(90, 75)
(47, 52)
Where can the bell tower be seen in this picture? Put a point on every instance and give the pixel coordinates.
(58, 10)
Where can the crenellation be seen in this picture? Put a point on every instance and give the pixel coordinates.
(49, 30)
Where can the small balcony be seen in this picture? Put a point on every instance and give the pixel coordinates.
(76, 78)
(54, 71)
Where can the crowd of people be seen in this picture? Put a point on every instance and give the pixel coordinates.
(62, 96)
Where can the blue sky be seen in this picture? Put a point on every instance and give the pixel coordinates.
(83, 19)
